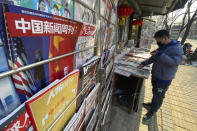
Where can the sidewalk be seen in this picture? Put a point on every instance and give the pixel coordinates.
(178, 112)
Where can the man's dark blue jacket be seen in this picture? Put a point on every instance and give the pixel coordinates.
(166, 61)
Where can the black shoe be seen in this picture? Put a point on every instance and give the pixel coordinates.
(147, 106)
(148, 116)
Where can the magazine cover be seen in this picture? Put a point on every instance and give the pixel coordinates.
(105, 102)
(90, 3)
(9, 99)
(77, 121)
(52, 102)
(18, 120)
(83, 14)
(113, 16)
(115, 2)
(37, 36)
(62, 8)
(89, 74)
(148, 30)
(87, 78)
(107, 36)
(41, 5)
(108, 9)
(91, 102)
(67, 9)
(103, 33)
(103, 7)
(93, 120)
(11, 2)
(110, 36)
(85, 39)
(107, 56)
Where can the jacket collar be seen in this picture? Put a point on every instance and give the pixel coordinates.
(171, 43)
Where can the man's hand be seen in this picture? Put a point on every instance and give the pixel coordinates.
(140, 66)
(154, 52)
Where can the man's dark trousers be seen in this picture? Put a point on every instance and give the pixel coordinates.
(159, 89)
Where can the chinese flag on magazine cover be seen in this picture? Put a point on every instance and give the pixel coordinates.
(59, 46)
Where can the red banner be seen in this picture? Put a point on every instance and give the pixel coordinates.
(88, 30)
(26, 25)
(22, 123)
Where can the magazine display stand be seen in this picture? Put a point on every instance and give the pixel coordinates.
(133, 48)
(129, 77)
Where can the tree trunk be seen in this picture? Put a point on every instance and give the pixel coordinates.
(186, 33)
(166, 23)
(189, 24)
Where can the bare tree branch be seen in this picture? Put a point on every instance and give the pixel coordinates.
(195, 19)
(190, 22)
(183, 25)
(181, 14)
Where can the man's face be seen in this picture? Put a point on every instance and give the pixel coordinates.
(160, 41)
(42, 6)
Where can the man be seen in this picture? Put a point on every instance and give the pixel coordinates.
(39, 73)
(165, 64)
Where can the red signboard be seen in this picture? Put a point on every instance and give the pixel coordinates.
(88, 30)
(26, 25)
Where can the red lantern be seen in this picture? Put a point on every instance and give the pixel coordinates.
(137, 22)
(125, 11)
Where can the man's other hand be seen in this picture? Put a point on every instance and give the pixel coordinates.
(154, 52)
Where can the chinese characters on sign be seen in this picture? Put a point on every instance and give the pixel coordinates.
(53, 102)
(88, 30)
(24, 25)
(40, 27)
(18, 120)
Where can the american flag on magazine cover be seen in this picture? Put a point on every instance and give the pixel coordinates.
(24, 81)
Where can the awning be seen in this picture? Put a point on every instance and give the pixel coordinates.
(155, 7)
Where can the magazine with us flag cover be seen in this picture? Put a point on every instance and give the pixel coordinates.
(35, 36)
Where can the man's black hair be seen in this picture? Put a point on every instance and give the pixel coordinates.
(161, 34)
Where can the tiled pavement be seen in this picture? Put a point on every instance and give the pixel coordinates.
(178, 112)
